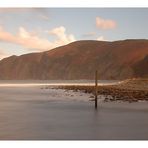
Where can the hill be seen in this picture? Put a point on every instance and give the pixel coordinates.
(79, 60)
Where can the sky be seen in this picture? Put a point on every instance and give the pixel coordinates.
(27, 30)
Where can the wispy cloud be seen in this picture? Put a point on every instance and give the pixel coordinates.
(33, 41)
(41, 13)
(105, 23)
(14, 10)
(24, 38)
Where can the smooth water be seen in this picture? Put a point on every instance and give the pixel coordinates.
(32, 113)
(39, 120)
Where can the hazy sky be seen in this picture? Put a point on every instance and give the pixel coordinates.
(34, 30)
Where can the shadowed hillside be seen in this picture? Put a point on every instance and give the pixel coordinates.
(141, 67)
(79, 60)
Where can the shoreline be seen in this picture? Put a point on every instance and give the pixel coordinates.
(132, 90)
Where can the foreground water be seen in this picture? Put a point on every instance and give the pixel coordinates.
(32, 113)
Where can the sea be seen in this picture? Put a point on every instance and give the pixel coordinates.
(32, 113)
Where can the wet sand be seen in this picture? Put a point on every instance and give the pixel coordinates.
(32, 113)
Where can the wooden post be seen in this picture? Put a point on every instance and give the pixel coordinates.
(96, 89)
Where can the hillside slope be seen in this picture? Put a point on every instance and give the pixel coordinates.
(79, 60)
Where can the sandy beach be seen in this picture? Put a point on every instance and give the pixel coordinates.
(35, 113)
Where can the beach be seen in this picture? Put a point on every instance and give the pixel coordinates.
(36, 113)
(129, 90)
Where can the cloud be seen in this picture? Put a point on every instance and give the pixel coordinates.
(62, 37)
(25, 39)
(5, 10)
(33, 41)
(15, 10)
(101, 38)
(41, 13)
(105, 23)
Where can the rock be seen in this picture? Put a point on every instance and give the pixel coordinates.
(91, 97)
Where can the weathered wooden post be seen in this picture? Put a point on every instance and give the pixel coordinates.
(96, 89)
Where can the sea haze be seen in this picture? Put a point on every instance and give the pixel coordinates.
(54, 82)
